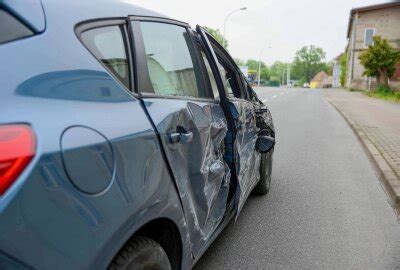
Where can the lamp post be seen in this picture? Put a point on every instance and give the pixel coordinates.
(226, 19)
(259, 63)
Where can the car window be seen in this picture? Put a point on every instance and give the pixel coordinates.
(230, 80)
(210, 73)
(227, 80)
(170, 60)
(107, 44)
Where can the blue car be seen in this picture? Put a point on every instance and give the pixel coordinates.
(128, 140)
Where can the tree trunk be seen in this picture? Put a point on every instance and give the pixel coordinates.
(378, 79)
(384, 79)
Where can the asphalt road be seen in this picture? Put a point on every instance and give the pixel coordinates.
(326, 208)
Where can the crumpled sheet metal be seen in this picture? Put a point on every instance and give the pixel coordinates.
(247, 159)
(266, 118)
(204, 195)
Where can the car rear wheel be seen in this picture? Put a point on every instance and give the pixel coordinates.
(141, 253)
(263, 185)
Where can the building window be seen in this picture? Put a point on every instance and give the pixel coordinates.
(368, 37)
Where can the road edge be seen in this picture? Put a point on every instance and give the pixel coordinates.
(386, 175)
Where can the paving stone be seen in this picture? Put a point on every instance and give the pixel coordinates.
(378, 120)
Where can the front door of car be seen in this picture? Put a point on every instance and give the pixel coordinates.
(247, 159)
(190, 123)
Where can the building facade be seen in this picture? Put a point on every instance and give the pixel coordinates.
(364, 23)
(320, 80)
(336, 72)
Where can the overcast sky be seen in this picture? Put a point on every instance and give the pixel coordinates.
(285, 25)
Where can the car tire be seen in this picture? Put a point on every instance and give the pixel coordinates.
(264, 184)
(141, 253)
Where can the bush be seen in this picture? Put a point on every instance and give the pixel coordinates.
(383, 92)
(397, 96)
(343, 69)
(381, 89)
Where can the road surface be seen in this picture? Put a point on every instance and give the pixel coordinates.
(326, 208)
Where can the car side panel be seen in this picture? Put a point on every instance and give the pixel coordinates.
(46, 222)
(201, 174)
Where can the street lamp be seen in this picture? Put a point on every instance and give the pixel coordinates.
(226, 19)
(259, 63)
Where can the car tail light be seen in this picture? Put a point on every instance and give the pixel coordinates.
(17, 148)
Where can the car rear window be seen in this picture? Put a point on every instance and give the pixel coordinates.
(107, 44)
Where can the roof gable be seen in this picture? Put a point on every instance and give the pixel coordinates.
(369, 8)
(320, 77)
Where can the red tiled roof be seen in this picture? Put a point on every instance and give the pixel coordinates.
(320, 77)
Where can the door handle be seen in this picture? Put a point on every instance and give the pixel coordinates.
(181, 137)
(186, 137)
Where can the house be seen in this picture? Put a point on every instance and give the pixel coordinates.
(364, 23)
(319, 80)
(336, 72)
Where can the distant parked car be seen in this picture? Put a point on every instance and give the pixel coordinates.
(306, 85)
(126, 141)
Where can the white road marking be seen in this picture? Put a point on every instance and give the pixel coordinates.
(265, 100)
(274, 96)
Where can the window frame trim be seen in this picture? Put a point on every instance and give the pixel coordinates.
(21, 30)
(141, 68)
(207, 78)
(84, 26)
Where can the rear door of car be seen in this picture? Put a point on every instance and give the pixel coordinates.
(191, 124)
(247, 159)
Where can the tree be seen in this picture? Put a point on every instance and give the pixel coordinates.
(218, 36)
(265, 74)
(239, 62)
(308, 62)
(253, 67)
(277, 71)
(254, 64)
(343, 68)
(328, 68)
(380, 60)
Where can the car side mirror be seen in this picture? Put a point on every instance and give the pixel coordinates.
(264, 144)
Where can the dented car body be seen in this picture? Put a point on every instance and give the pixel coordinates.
(139, 127)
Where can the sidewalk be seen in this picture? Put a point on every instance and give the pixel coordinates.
(377, 125)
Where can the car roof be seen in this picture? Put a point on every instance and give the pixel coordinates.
(76, 11)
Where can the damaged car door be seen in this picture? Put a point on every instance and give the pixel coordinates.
(246, 158)
(190, 123)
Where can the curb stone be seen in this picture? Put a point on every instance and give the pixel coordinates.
(388, 178)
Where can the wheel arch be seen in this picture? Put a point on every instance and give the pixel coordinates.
(166, 233)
